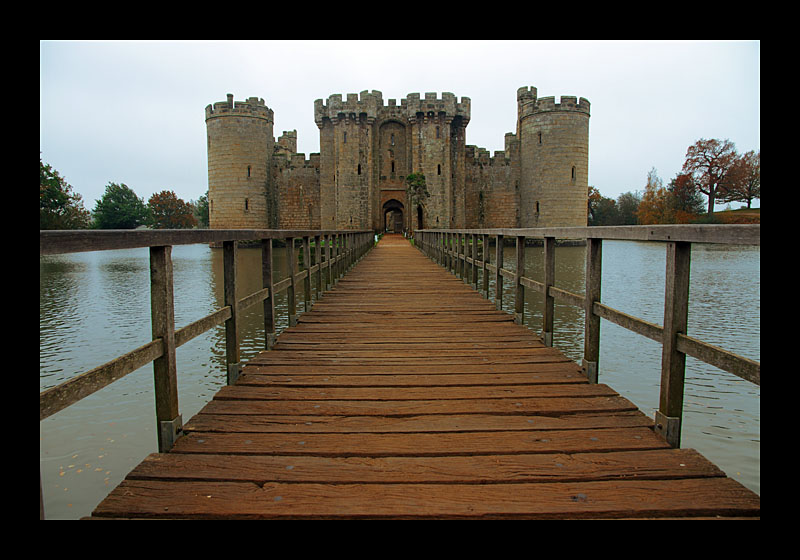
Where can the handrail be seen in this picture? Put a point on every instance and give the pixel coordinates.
(342, 248)
(451, 247)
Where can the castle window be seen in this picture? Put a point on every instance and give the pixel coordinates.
(359, 169)
(437, 132)
(540, 138)
(573, 173)
(248, 170)
(246, 204)
(345, 138)
(392, 167)
(537, 206)
(439, 169)
(392, 138)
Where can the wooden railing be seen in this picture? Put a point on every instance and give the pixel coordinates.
(336, 252)
(457, 251)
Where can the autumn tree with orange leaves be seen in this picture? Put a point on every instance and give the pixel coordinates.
(167, 211)
(655, 207)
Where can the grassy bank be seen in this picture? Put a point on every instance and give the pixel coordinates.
(740, 216)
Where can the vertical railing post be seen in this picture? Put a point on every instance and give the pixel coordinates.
(229, 253)
(485, 250)
(453, 253)
(498, 278)
(162, 315)
(457, 248)
(462, 255)
(673, 362)
(328, 266)
(345, 255)
(447, 258)
(466, 273)
(548, 313)
(318, 263)
(519, 289)
(267, 281)
(307, 279)
(474, 239)
(290, 292)
(350, 254)
(591, 337)
(337, 243)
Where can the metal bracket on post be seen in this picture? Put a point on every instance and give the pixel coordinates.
(590, 370)
(668, 427)
(170, 431)
(547, 337)
(233, 372)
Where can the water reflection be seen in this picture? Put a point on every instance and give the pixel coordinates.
(95, 307)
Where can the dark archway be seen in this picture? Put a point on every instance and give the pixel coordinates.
(419, 217)
(393, 216)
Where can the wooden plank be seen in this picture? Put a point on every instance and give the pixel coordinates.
(535, 406)
(573, 500)
(420, 444)
(413, 393)
(401, 380)
(480, 469)
(299, 424)
(571, 374)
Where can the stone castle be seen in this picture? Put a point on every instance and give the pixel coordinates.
(368, 148)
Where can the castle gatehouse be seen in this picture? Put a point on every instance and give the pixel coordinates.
(368, 149)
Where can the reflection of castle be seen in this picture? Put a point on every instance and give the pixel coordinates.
(367, 149)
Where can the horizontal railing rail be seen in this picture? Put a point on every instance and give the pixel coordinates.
(457, 251)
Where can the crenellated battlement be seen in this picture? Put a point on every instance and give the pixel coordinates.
(433, 105)
(253, 107)
(371, 104)
(568, 103)
(528, 103)
(366, 103)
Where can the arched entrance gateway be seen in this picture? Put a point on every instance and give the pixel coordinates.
(393, 216)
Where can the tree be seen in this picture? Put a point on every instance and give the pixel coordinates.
(167, 211)
(119, 208)
(745, 182)
(594, 200)
(654, 207)
(59, 207)
(710, 162)
(602, 210)
(628, 206)
(416, 188)
(201, 210)
(684, 198)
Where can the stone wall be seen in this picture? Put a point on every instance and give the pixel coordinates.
(297, 185)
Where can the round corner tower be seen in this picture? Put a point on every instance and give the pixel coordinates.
(554, 154)
(240, 146)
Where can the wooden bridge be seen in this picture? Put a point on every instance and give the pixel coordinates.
(404, 394)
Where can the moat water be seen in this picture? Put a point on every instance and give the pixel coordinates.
(96, 306)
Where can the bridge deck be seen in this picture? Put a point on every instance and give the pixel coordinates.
(405, 394)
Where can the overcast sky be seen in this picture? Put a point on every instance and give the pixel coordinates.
(134, 112)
